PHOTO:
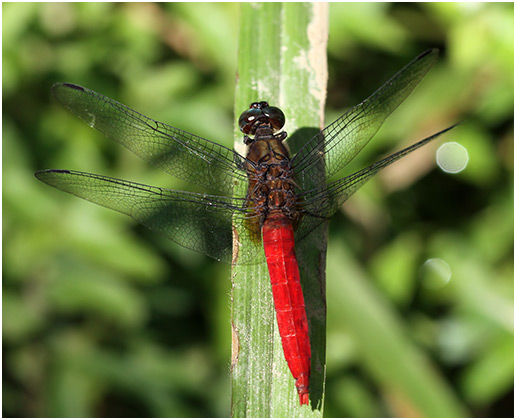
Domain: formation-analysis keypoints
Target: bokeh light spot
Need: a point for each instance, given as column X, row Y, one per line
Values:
column 452, row 157
column 435, row 273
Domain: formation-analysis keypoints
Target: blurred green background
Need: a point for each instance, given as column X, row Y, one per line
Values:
column 104, row 318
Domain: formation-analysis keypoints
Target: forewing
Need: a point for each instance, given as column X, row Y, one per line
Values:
column 176, row 152
column 341, row 141
column 199, row 222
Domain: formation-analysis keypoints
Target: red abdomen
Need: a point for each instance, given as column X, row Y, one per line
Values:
column 278, row 242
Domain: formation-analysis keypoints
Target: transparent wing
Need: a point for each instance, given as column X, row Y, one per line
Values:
column 176, row 152
column 200, row 222
column 319, row 204
column 341, row 141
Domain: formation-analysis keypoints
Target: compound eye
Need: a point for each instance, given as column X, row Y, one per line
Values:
column 276, row 117
column 261, row 113
column 248, row 119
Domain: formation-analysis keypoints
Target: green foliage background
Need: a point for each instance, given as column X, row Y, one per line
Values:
column 103, row 318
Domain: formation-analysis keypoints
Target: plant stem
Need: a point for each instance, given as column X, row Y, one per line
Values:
column 282, row 59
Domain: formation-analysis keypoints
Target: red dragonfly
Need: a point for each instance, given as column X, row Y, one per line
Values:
column 281, row 207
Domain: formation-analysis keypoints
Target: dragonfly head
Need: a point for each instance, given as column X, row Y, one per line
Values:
column 261, row 114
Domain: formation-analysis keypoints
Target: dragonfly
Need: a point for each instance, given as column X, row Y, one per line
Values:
column 282, row 205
